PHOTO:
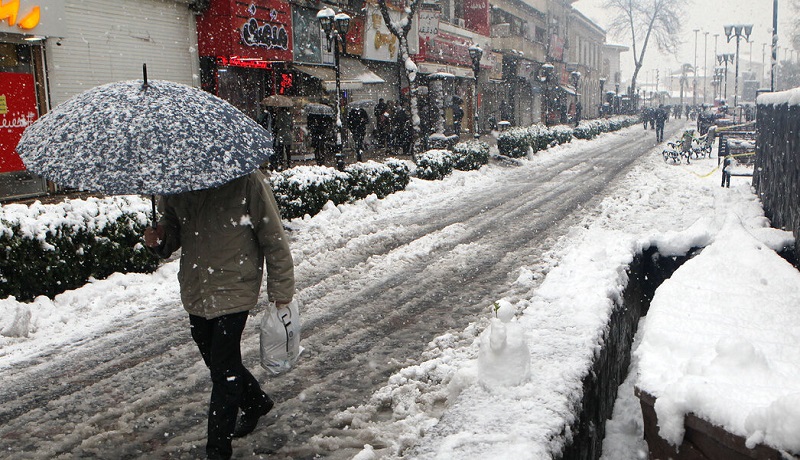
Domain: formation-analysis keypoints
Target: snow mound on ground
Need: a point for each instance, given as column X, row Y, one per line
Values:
column 716, row 341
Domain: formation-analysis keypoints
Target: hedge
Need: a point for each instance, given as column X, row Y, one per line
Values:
column 521, row 141
column 48, row 249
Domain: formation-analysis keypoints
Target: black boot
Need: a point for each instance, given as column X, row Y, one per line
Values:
column 249, row 419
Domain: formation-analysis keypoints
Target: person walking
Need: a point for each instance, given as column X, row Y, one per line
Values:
column 226, row 234
column 282, row 129
column 382, row 123
column 661, row 117
column 357, row 121
column 458, row 115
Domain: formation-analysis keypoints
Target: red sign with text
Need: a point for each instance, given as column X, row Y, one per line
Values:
column 259, row 29
column 17, row 112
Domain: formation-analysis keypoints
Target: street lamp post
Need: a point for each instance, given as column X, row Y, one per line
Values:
column 705, row 65
column 335, row 26
column 575, row 76
column 475, row 53
column 737, row 31
column 694, row 80
column 545, row 76
column 725, row 58
column 602, row 84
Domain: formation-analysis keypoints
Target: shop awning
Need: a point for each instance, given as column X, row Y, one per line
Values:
column 353, row 74
column 569, row 90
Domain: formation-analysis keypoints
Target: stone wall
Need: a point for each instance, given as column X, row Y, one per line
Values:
column 610, row 368
column 777, row 168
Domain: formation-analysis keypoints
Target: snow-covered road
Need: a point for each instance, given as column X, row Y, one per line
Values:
column 401, row 272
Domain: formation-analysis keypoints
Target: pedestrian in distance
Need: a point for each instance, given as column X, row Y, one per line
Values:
column 726, row 173
column 458, row 115
column 225, row 235
column 382, row 123
column 357, row 120
column 661, row 115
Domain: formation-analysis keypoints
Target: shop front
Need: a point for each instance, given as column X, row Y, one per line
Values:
column 245, row 50
column 445, row 67
column 25, row 26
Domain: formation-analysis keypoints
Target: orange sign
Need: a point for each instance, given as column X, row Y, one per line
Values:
column 9, row 12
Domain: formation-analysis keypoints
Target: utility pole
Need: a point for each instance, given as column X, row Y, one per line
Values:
column 694, row 81
column 705, row 64
column 774, row 45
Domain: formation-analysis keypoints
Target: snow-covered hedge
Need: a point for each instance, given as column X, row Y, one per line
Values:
column 470, row 155
column 520, row 141
column 435, row 164
column 48, row 249
column 304, row 190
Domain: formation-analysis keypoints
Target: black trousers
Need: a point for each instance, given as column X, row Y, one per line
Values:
column 234, row 387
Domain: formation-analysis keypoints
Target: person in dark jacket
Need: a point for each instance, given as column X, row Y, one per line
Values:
column 382, row 123
column 661, row 115
column 226, row 234
column 357, row 121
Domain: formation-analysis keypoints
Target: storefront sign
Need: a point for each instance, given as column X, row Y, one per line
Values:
column 236, row 61
column 446, row 48
column 379, row 43
column 17, row 112
column 476, row 16
column 556, row 47
column 308, row 39
column 32, row 17
column 270, row 35
column 255, row 29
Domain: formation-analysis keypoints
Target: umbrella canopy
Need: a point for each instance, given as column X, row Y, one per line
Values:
column 277, row 100
column 319, row 109
column 365, row 104
column 153, row 138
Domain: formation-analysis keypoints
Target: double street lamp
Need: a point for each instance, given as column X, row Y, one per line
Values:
column 546, row 76
column 335, row 26
column 475, row 53
column 575, row 77
column 725, row 58
column 602, row 84
column 737, row 31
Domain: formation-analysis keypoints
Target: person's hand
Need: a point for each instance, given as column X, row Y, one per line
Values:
column 282, row 303
column 153, row 236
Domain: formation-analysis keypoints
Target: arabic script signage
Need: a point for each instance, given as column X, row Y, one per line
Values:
column 258, row 29
column 17, row 112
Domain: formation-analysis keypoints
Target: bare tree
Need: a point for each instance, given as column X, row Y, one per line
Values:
column 401, row 29
column 644, row 21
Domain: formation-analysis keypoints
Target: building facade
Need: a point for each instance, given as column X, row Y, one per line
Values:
column 51, row 50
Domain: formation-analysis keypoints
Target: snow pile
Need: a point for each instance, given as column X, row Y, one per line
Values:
column 716, row 342
column 791, row 97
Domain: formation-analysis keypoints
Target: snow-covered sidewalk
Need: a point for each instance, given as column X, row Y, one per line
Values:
column 450, row 406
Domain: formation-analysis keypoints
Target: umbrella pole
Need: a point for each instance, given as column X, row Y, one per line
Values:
column 153, row 200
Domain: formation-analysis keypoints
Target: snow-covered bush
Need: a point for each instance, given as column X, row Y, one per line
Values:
column 435, row 164
column 305, row 189
column 370, row 177
column 517, row 142
column 470, row 155
column 48, row 249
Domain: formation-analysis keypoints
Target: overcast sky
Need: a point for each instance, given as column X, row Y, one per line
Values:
column 708, row 16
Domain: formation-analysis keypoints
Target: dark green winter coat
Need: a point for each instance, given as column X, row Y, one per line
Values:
column 225, row 235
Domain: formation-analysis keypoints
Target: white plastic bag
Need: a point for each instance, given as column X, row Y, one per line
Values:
column 280, row 338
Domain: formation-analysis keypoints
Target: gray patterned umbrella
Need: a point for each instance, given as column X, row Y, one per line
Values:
column 139, row 137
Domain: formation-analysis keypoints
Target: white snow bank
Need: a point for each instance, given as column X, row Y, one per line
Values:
column 791, row 97
column 720, row 341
